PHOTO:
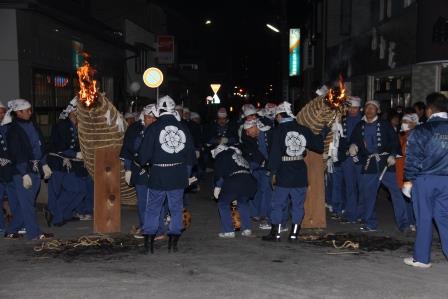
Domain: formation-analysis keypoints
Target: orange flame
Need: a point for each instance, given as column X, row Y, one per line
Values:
column 337, row 96
column 88, row 92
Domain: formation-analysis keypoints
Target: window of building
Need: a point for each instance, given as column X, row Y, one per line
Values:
column 444, row 83
column 346, row 17
column 142, row 59
column 381, row 10
column 52, row 91
column 389, row 8
column 440, row 31
column 308, row 54
column 407, row 3
column 319, row 17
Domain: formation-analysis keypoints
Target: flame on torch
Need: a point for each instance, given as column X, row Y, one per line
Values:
column 337, row 96
column 88, row 91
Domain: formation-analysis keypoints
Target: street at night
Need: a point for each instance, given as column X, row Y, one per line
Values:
column 208, row 267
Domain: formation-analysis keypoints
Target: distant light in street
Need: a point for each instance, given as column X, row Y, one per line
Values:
column 231, row 109
column 208, row 22
column 272, row 28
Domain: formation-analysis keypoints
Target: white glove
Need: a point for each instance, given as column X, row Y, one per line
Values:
column 47, row 171
column 216, row 192
column 407, row 187
column 353, row 150
column 198, row 154
column 79, row 156
column 224, row 140
column 127, row 177
column 391, row 161
column 27, row 182
column 192, row 180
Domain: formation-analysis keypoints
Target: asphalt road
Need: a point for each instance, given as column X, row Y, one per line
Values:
column 209, row 267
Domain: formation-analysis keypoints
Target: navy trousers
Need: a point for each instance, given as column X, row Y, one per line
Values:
column 354, row 207
column 85, row 207
column 73, row 192
column 280, row 200
column 370, row 184
column 142, row 195
column 337, row 190
column 260, row 206
column 26, row 202
column 54, row 191
column 154, row 206
column 430, row 197
column 225, row 199
column 10, row 190
column 328, row 189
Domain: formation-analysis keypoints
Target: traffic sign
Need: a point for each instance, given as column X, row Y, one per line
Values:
column 153, row 77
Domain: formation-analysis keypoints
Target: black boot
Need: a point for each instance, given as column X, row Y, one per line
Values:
column 172, row 242
column 149, row 244
column 294, row 233
column 274, row 235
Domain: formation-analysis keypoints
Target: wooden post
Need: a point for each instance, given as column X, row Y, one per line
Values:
column 107, row 211
column 315, row 216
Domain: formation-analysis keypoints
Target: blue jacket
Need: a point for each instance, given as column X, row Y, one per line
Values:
column 7, row 170
column 196, row 133
column 129, row 153
column 386, row 142
column 251, row 150
column 168, row 149
column 232, row 174
column 215, row 133
column 348, row 125
column 427, row 150
column 65, row 143
column 289, row 140
column 22, row 150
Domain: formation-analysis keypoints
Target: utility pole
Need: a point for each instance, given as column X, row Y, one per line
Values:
column 284, row 50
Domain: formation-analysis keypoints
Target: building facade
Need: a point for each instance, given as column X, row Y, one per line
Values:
column 394, row 51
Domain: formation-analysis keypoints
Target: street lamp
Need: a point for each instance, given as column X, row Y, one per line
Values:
column 208, row 22
column 273, row 28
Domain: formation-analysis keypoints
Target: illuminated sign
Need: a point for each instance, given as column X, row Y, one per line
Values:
column 294, row 52
column 153, row 77
column 215, row 88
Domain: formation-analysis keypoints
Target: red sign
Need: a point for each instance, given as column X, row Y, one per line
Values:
column 165, row 49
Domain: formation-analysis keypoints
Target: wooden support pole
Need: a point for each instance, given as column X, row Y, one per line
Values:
column 107, row 211
column 315, row 216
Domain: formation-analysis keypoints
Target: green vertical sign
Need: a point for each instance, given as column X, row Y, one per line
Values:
column 294, row 52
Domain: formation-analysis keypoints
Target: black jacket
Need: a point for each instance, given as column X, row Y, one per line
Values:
column 168, row 149
column 291, row 140
column 232, row 174
column 65, row 143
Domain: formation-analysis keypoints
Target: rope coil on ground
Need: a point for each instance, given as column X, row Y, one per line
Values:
column 83, row 241
column 347, row 244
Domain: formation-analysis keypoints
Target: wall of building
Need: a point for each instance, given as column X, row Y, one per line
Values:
column 425, row 80
column 48, row 44
column 9, row 61
column 429, row 11
column 136, row 34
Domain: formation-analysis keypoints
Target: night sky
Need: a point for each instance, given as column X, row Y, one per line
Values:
column 238, row 43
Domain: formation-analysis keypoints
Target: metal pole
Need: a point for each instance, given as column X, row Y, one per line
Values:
column 157, row 96
column 284, row 50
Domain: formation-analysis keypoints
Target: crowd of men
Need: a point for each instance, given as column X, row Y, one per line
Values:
column 258, row 162
column 26, row 159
